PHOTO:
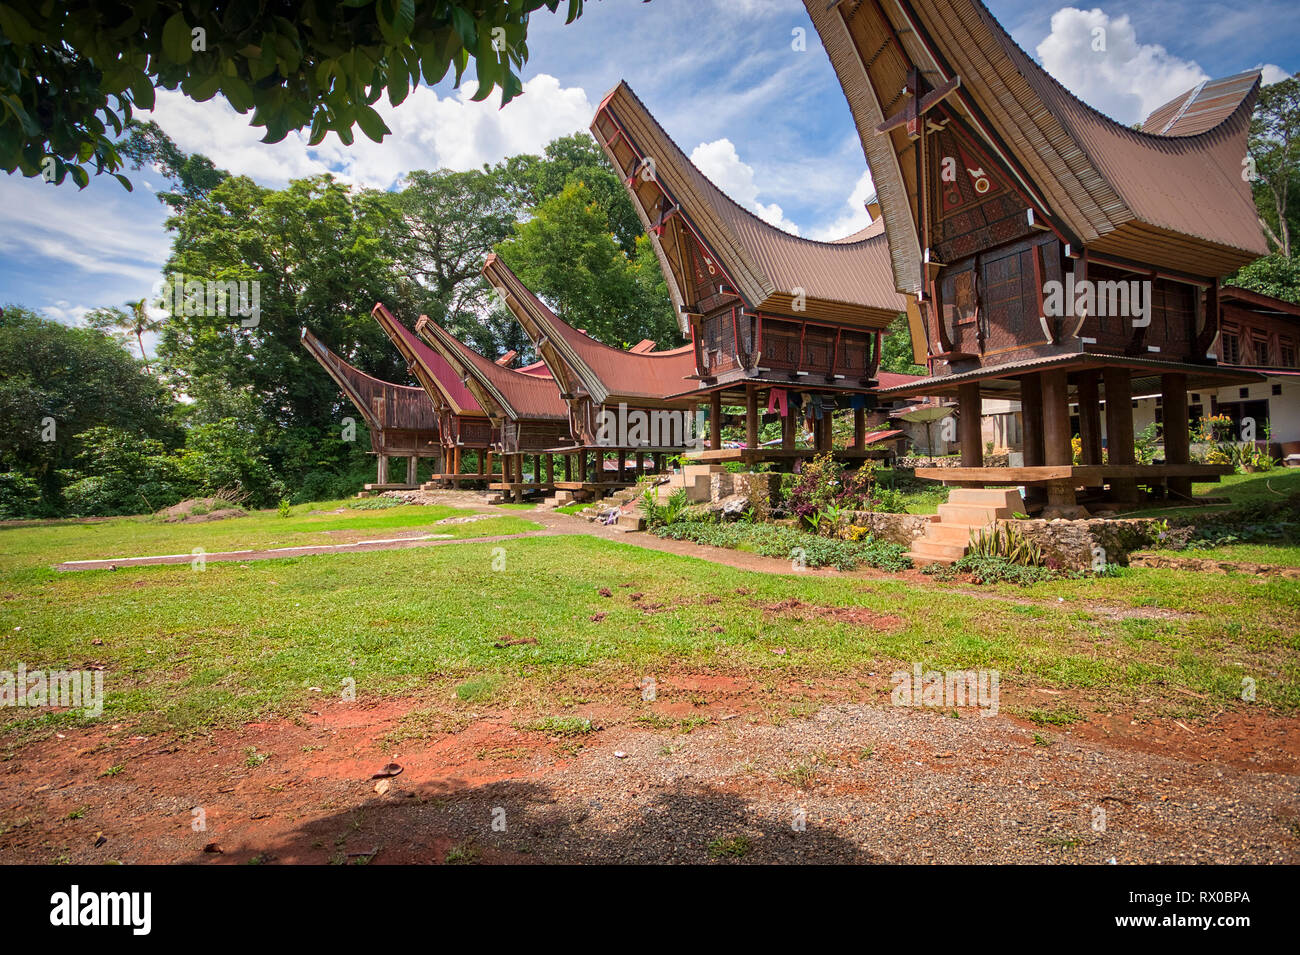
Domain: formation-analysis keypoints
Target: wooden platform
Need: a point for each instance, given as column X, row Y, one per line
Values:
column 752, row 455
column 1080, row 475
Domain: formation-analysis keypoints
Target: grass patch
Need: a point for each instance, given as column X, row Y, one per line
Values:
column 730, row 847
column 559, row 725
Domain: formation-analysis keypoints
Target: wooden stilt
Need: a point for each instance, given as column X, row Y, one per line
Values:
column 1177, row 432
column 1089, row 417
column 969, row 407
column 1119, row 429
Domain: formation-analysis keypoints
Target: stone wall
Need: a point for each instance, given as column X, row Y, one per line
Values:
column 1069, row 544
column 895, row 528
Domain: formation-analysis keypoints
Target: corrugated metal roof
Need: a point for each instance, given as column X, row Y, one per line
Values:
column 1005, row 375
column 1202, row 107
column 1101, row 180
column 610, row 373
column 436, row 368
column 765, row 261
column 520, row 395
column 404, row 406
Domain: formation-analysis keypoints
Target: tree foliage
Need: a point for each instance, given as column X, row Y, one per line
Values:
column 72, row 72
column 1275, row 149
column 57, row 382
column 896, row 350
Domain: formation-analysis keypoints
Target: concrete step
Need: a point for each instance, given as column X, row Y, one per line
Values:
column 949, row 533
column 928, row 551
column 631, row 522
column 702, row 470
column 697, row 487
column 1007, row 498
column 977, row 515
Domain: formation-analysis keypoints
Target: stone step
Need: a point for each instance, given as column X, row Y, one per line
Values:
column 927, row 551
column 996, row 497
column 945, row 533
column 702, row 470
column 631, row 522
column 697, row 488
column 978, row 515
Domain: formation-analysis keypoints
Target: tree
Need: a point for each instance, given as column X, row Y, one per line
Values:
column 57, row 382
column 135, row 323
column 1275, row 149
column 1274, row 275
column 193, row 174
column 446, row 224
column 71, row 70
column 572, row 160
column 896, row 350
column 567, row 254
column 322, row 256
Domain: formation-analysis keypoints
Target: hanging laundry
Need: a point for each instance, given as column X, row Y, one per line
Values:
column 776, row 401
column 817, row 407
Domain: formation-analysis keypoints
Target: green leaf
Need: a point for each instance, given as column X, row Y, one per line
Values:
column 176, row 39
column 79, row 176
column 126, row 183
column 15, row 26
column 371, row 124
column 142, row 92
column 464, row 24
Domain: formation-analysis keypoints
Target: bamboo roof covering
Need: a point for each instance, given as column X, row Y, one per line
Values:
column 846, row 280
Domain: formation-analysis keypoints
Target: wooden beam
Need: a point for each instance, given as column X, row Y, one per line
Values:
column 969, row 407
column 1177, row 432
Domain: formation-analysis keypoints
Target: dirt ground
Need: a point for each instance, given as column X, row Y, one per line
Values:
column 704, row 773
column 716, row 768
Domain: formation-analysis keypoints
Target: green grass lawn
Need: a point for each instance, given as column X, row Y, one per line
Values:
column 24, row 547
column 1238, row 489
column 186, row 650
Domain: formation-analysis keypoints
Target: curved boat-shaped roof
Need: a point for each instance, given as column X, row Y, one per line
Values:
column 1201, row 108
column 848, row 279
column 579, row 361
column 515, row 393
column 433, row 371
column 402, row 406
column 1176, row 201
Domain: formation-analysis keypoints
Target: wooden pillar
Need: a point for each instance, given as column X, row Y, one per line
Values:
column 412, row 468
column 1057, row 450
column 1089, row 417
column 751, row 418
column 969, row 406
column 381, row 474
column 550, row 469
column 715, row 421
column 481, row 454
column 788, row 425
column 859, row 429
column 1031, row 420
column 600, row 467
column 622, row 465
column 1177, row 434
column 455, row 468
column 1119, row 429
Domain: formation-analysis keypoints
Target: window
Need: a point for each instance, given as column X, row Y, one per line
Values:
column 1259, row 343
column 1231, row 348
column 1277, row 389
column 1243, row 392
column 1286, row 349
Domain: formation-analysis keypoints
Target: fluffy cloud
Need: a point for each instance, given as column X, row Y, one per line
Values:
column 721, row 163
column 429, row 131
column 1272, row 74
column 1099, row 59
column 853, row 217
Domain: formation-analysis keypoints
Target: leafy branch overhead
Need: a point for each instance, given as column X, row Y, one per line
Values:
column 72, row 73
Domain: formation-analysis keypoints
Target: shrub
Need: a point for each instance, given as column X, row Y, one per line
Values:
column 20, row 496
column 1007, row 542
column 773, row 540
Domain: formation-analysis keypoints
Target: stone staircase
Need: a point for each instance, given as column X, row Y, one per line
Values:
column 696, row 479
column 967, row 510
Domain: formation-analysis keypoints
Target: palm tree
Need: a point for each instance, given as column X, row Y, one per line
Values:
column 136, row 323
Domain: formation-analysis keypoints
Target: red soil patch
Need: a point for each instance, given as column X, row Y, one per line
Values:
column 856, row 616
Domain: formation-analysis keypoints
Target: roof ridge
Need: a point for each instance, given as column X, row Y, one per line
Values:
column 1138, row 134
column 763, row 223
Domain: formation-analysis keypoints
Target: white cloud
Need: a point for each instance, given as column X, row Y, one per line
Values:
column 722, row 164
column 1099, row 59
column 1272, row 74
column 853, row 217
column 429, row 132
column 65, row 312
column 101, row 230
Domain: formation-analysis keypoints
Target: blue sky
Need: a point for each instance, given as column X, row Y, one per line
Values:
column 766, row 121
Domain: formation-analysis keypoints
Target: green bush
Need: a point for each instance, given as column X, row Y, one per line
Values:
column 20, row 496
column 787, row 543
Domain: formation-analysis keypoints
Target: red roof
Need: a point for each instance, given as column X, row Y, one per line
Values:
column 519, row 395
column 607, row 373
column 428, row 365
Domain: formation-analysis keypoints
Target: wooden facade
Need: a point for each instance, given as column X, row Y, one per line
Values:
column 623, row 416
column 463, row 424
column 1049, row 254
column 529, row 418
column 401, row 419
column 775, row 321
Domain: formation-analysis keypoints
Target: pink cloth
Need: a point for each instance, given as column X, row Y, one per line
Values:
column 776, row 401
